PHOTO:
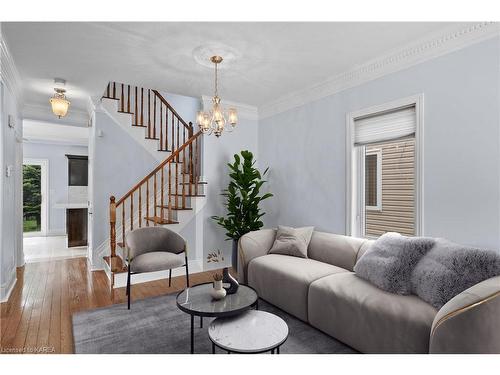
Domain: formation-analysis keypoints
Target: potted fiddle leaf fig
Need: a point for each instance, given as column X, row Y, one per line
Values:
column 243, row 199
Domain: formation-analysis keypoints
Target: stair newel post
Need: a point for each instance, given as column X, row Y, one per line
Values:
column 112, row 226
column 184, row 175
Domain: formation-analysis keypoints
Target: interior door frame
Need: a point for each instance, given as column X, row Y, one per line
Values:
column 44, row 187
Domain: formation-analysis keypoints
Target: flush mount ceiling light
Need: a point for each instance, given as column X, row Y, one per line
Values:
column 59, row 102
column 215, row 120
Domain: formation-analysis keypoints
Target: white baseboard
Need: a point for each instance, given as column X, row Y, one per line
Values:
column 6, row 289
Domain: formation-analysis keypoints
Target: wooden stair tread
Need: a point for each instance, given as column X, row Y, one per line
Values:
column 139, row 126
column 160, row 220
column 166, row 150
column 154, row 138
column 109, row 97
column 193, row 183
column 116, row 265
column 175, row 208
column 128, row 113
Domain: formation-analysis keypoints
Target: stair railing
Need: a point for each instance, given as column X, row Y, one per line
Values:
column 167, row 187
column 150, row 110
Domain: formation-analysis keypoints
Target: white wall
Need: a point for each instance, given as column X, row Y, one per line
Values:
column 58, row 178
column 10, row 224
column 305, row 148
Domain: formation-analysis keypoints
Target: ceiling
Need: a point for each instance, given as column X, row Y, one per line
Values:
column 264, row 61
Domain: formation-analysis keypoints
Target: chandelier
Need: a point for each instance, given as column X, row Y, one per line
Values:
column 59, row 102
column 217, row 119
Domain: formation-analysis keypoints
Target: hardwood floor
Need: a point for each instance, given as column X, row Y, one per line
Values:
column 37, row 317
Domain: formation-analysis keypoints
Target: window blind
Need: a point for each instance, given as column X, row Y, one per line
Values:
column 385, row 126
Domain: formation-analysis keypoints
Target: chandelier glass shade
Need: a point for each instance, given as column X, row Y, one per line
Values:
column 59, row 103
column 217, row 120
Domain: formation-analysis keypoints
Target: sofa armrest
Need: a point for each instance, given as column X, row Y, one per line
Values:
column 469, row 322
column 253, row 245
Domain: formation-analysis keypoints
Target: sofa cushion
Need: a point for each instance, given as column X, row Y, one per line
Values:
column 292, row 241
column 335, row 249
column 367, row 318
column 284, row 280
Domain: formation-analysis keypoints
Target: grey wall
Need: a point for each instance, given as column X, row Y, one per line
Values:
column 10, row 222
column 305, row 148
column 58, row 178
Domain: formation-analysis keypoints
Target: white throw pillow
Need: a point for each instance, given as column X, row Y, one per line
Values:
column 292, row 241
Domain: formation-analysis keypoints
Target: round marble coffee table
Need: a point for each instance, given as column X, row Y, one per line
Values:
column 253, row 331
column 196, row 301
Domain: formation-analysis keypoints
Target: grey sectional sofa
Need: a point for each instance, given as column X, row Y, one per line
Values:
column 324, row 291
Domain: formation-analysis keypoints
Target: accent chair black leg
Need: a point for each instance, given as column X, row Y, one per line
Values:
column 213, row 348
column 187, row 272
column 278, row 350
column 201, row 322
column 128, row 289
column 169, row 278
column 192, row 334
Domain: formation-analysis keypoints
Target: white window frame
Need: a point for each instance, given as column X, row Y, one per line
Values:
column 355, row 171
column 378, row 154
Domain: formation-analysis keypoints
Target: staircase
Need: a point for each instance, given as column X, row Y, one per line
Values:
column 168, row 190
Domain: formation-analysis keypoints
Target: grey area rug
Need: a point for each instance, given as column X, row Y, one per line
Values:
column 156, row 325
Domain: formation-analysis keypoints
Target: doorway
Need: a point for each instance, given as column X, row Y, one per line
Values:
column 35, row 197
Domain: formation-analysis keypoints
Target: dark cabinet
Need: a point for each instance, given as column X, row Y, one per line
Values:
column 76, row 226
column 78, row 174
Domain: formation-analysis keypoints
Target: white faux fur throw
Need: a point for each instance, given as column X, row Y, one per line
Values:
column 436, row 270
column 390, row 260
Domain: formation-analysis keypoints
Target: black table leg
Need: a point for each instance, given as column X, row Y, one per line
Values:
column 213, row 348
column 192, row 334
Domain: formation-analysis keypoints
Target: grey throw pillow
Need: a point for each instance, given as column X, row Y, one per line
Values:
column 390, row 260
column 449, row 268
column 292, row 241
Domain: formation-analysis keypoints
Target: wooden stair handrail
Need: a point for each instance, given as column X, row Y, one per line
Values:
column 164, row 101
column 159, row 167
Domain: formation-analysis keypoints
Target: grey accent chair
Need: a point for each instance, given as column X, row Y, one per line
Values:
column 152, row 249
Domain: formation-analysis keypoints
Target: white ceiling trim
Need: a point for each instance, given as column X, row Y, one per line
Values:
column 9, row 73
column 245, row 111
column 413, row 54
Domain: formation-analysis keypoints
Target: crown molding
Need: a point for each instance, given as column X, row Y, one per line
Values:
column 245, row 111
column 413, row 54
column 9, row 73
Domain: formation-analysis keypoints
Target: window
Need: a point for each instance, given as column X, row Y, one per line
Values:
column 383, row 178
column 77, row 170
column 373, row 179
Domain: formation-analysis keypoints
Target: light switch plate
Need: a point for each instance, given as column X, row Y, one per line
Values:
column 11, row 122
column 8, row 170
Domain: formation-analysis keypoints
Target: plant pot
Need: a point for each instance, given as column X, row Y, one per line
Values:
column 234, row 256
column 218, row 292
